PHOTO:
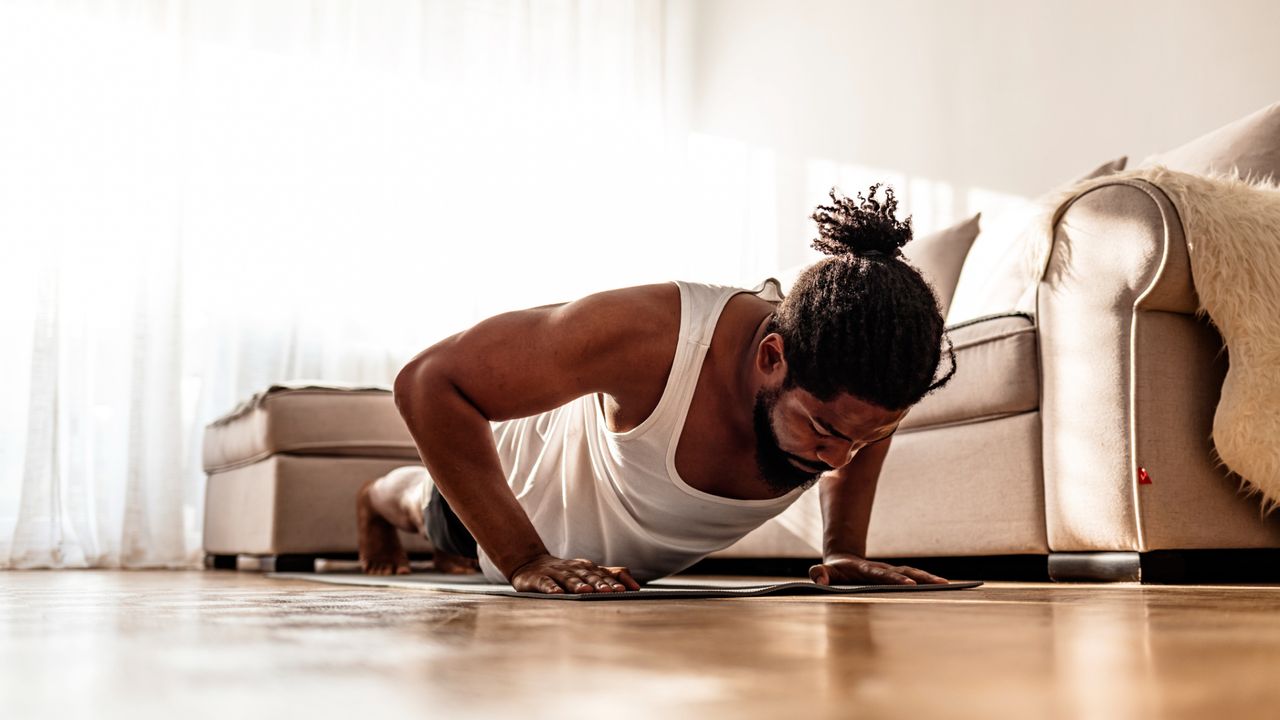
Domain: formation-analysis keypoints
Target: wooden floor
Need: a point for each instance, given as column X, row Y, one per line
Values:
column 231, row 645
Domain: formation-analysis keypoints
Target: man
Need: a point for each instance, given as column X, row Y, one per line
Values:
column 596, row 444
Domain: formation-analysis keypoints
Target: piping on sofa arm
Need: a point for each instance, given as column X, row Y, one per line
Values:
column 1129, row 374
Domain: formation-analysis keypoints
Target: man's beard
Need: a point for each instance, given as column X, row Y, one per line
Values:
column 774, row 462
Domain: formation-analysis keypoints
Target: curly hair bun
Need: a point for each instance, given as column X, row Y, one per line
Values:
column 863, row 226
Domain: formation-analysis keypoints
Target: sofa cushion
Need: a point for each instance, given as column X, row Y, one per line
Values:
column 997, row 374
column 1250, row 145
column 958, row 490
column 999, row 274
column 309, row 419
column 940, row 255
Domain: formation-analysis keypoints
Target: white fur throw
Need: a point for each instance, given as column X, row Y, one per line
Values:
column 1232, row 228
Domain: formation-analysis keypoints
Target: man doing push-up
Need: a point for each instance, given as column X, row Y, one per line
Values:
column 621, row 437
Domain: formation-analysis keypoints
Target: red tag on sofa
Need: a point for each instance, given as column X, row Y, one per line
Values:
column 1143, row 477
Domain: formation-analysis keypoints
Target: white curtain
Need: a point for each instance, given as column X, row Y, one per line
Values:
column 198, row 199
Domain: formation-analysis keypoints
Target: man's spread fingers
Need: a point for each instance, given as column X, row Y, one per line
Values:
column 596, row 580
column 888, row 575
column 922, row 576
column 624, row 576
column 576, row 584
column 570, row 578
column 896, row 576
column 610, row 578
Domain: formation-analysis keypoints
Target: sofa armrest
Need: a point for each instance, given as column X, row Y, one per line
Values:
column 1121, row 235
column 1117, row 251
column 1130, row 380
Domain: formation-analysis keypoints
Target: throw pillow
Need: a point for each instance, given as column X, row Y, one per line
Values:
column 940, row 255
column 1249, row 146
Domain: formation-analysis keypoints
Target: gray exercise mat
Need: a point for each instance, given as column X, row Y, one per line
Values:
column 659, row 590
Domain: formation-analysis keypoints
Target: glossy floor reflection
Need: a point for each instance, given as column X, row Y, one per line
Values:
column 227, row 645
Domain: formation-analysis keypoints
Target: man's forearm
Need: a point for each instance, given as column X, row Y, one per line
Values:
column 847, row 495
column 455, row 441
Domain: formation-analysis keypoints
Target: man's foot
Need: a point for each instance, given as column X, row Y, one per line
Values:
column 454, row 564
column 380, row 549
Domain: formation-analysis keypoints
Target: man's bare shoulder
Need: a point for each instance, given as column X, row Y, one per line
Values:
column 638, row 329
column 636, row 309
column 637, row 324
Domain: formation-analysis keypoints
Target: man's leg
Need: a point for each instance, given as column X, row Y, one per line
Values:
column 384, row 505
column 393, row 502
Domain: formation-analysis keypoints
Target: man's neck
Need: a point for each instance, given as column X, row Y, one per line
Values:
column 745, row 385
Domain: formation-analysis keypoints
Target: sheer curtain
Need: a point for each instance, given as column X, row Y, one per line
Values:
column 198, row 199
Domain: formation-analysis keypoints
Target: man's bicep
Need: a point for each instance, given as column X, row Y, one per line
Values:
column 525, row 362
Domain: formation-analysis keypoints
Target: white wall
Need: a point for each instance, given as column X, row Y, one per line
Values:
column 962, row 102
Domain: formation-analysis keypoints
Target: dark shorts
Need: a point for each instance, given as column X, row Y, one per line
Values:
column 445, row 530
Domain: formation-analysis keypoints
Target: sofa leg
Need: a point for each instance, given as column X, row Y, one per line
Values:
column 219, row 562
column 275, row 563
column 1095, row 566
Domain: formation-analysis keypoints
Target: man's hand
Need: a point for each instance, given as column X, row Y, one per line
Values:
column 853, row 570
column 551, row 575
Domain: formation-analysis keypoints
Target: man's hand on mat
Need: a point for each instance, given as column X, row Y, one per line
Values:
column 550, row 574
column 853, row 570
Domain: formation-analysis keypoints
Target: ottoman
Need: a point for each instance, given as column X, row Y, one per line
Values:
column 283, row 470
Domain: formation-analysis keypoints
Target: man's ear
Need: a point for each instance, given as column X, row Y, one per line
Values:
column 771, row 358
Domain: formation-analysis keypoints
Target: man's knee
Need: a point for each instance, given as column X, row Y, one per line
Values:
column 398, row 497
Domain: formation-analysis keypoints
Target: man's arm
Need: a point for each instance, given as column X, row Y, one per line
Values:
column 847, row 494
column 516, row 365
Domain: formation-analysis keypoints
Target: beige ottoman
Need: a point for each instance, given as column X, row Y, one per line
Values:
column 284, row 468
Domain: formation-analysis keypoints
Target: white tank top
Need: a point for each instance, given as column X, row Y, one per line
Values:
column 616, row 498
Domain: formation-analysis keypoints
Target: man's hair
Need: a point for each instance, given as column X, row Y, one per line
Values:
column 863, row 322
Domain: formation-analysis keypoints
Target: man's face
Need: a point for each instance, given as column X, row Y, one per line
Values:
column 798, row 437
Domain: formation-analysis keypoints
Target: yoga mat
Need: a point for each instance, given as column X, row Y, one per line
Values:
column 659, row 590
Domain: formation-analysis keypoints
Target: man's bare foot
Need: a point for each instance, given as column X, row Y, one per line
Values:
column 380, row 549
column 454, row 564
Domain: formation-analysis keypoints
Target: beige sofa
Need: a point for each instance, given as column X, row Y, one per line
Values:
column 1080, row 432
column 1078, row 428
